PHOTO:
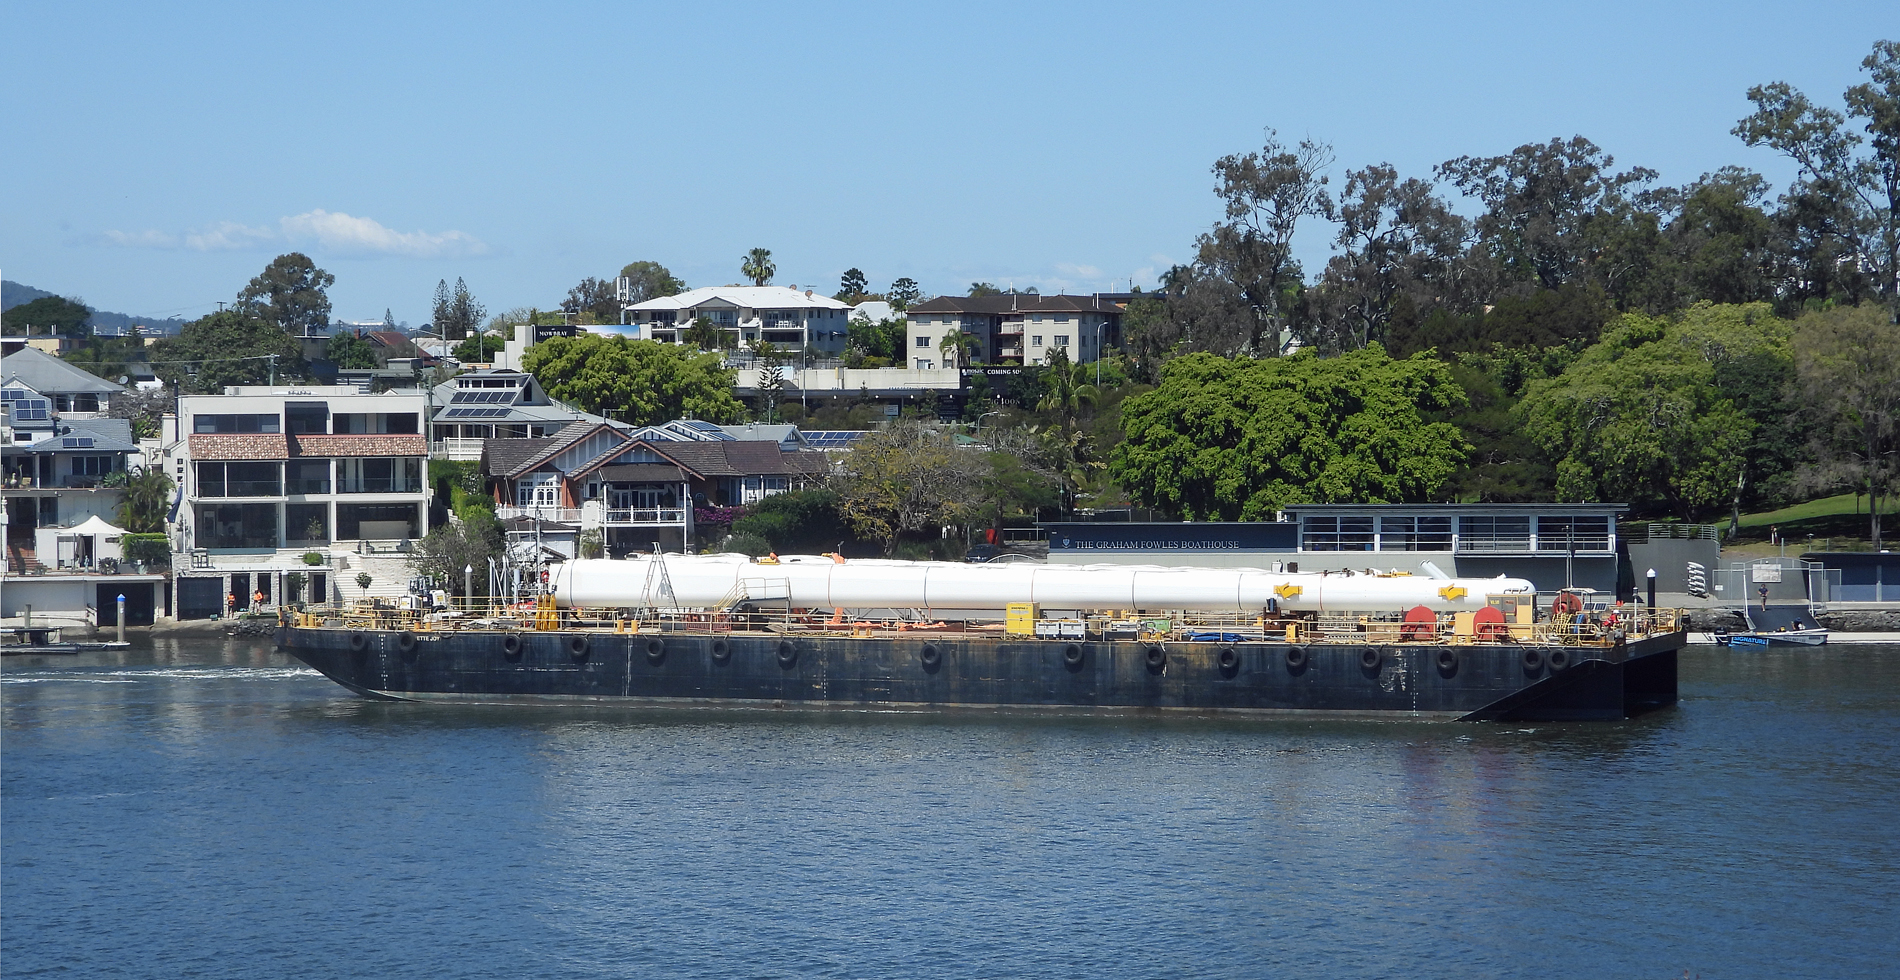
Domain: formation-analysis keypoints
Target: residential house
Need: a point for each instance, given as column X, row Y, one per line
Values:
column 60, row 459
column 1021, row 327
column 639, row 491
column 59, row 456
column 476, row 406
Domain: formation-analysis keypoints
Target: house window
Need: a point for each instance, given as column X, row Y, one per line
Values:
column 1035, row 340
column 1581, row 533
column 923, row 341
column 1062, row 340
column 222, row 424
column 1062, row 318
column 923, row 364
column 541, row 490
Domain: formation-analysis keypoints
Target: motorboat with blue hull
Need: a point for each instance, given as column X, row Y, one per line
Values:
column 728, row 630
column 1776, row 626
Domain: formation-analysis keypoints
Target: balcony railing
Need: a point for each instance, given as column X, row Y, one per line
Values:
column 308, row 486
column 458, row 449
column 645, row 515
column 385, row 485
column 559, row 515
column 242, row 488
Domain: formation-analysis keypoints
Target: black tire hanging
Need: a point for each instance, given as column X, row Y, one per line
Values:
column 787, row 654
column 656, row 650
column 511, row 646
column 721, row 651
column 1448, row 661
column 1533, row 661
column 930, row 656
column 1558, row 659
column 1296, row 658
column 1156, row 656
column 359, row 642
column 406, row 641
column 577, row 647
column 1072, row 656
column 1370, row 659
column 1229, row 658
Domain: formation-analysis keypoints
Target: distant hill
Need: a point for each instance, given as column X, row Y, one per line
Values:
column 13, row 294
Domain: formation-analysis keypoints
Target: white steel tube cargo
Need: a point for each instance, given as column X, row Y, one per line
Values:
column 813, row 582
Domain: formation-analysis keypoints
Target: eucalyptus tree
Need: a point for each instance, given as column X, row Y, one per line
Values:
column 1847, row 201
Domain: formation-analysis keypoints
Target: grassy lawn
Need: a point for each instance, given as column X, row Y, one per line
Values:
column 1841, row 505
column 1833, row 522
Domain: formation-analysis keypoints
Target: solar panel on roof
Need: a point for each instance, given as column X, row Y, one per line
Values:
column 84, row 442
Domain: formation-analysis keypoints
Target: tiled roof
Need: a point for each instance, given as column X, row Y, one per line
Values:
column 502, row 457
column 251, row 446
column 358, row 445
column 715, row 459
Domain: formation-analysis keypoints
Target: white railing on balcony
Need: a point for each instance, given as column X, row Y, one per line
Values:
column 645, row 515
column 457, row 449
column 559, row 515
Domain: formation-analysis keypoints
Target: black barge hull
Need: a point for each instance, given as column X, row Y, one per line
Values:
column 1501, row 682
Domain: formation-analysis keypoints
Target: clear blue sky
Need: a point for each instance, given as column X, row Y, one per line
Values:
column 159, row 155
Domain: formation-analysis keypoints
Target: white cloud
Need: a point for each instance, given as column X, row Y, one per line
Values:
column 227, row 236
column 322, row 231
column 335, row 231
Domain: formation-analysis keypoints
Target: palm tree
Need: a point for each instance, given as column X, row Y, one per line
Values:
column 703, row 334
column 956, row 347
column 147, row 498
column 757, row 266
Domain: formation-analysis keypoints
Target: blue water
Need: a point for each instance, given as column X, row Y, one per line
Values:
column 209, row 809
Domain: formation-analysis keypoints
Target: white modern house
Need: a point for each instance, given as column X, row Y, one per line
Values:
column 791, row 319
column 270, row 474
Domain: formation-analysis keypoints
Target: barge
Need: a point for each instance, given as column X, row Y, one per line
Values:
column 822, row 633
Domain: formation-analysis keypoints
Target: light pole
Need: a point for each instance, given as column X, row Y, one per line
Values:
column 468, row 587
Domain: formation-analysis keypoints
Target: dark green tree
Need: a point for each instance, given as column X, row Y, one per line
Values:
column 649, row 280
column 1853, row 198
column 636, row 381
column 478, row 349
column 1540, row 201
column 594, row 299
column 49, row 315
column 471, row 540
column 290, row 295
column 852, row 286
column 1240, row 292
column 455, row 313
column 1403, row 252
column 348, row 351
column 1238, row 439
column 799, row 522
column 227, row 348
column 1639, row 417
column 904, row 293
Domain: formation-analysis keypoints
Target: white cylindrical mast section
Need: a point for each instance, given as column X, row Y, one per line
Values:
column 808, row 582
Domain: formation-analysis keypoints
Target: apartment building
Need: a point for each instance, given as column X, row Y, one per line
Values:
column 1018, row 327
column 787, row 318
